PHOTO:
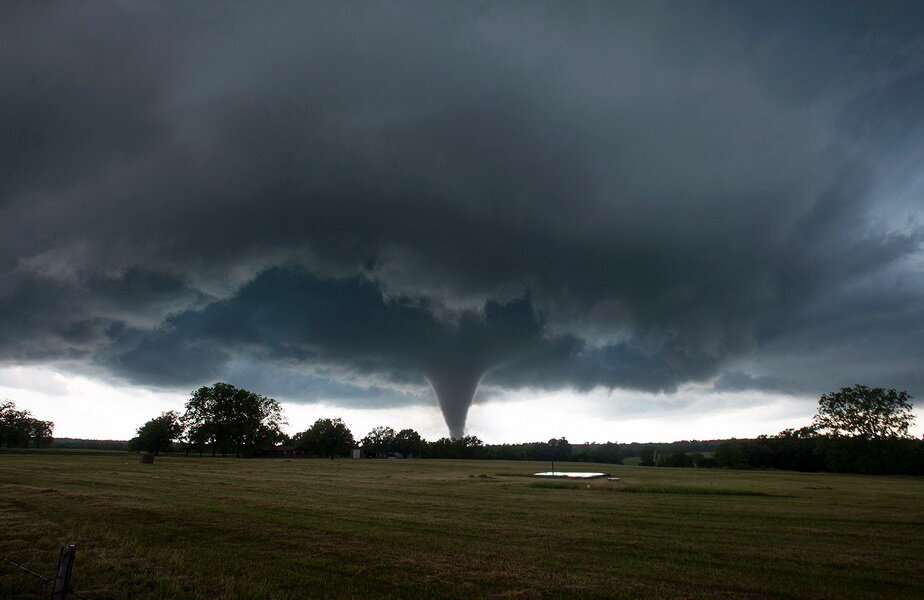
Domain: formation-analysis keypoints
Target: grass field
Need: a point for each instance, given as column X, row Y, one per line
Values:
column 225, row 528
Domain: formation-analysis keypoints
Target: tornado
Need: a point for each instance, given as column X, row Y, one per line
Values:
column 454, row 389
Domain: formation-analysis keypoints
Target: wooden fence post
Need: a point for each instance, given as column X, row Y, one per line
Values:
column 63, row 576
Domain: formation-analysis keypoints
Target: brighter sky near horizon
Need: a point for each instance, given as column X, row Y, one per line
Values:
column 83, row 407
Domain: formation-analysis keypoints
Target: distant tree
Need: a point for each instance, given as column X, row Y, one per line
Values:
column 229, row 418
column 468, row 446
column 674, row 459
column 647, row 455
column 158, row 434
column 12, row 424
column 41, row 432
column 707, row 463
column 559, row 450
column 78, row 444
column 327, row 437
column 868, row 413
column 379, row 442
column 729, row 454
column 200, row 423
column 18, row 427
column 607, row 452
column 801, row 433
column 409, row 443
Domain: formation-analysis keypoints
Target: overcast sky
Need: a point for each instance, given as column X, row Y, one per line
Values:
column 633, row 221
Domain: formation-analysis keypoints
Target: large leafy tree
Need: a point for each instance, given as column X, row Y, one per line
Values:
column 409, row 443
column 232, row 419
column 20, row 428
column 379, row 442
column 869, row 413
column 158, row 434
column 41, row 432
column 327, row 437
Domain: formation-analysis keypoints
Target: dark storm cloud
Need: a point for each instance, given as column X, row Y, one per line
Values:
column 287, row 316
column 619, row 194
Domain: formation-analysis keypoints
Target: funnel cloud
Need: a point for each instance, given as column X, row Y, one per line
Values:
column 454, row 389
column 374, row 206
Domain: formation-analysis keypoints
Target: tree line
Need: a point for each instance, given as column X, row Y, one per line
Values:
column 858, row 429
column 222, row 419
column 19, row 429
column 855, row 430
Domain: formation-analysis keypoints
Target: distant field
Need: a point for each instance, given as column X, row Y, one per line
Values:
column 274, row 529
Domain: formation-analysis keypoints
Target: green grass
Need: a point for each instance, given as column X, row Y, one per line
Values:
column 693, row 489
column 280, row 529
column 557, row 484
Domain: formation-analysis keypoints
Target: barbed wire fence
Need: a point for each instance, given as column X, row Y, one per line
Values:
column 61, row 584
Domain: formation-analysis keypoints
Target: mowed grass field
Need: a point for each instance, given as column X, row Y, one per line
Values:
column 308, row 528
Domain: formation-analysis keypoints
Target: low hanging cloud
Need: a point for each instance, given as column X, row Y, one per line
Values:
column 349, row 329
column 345, row 327
column 362, row 201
